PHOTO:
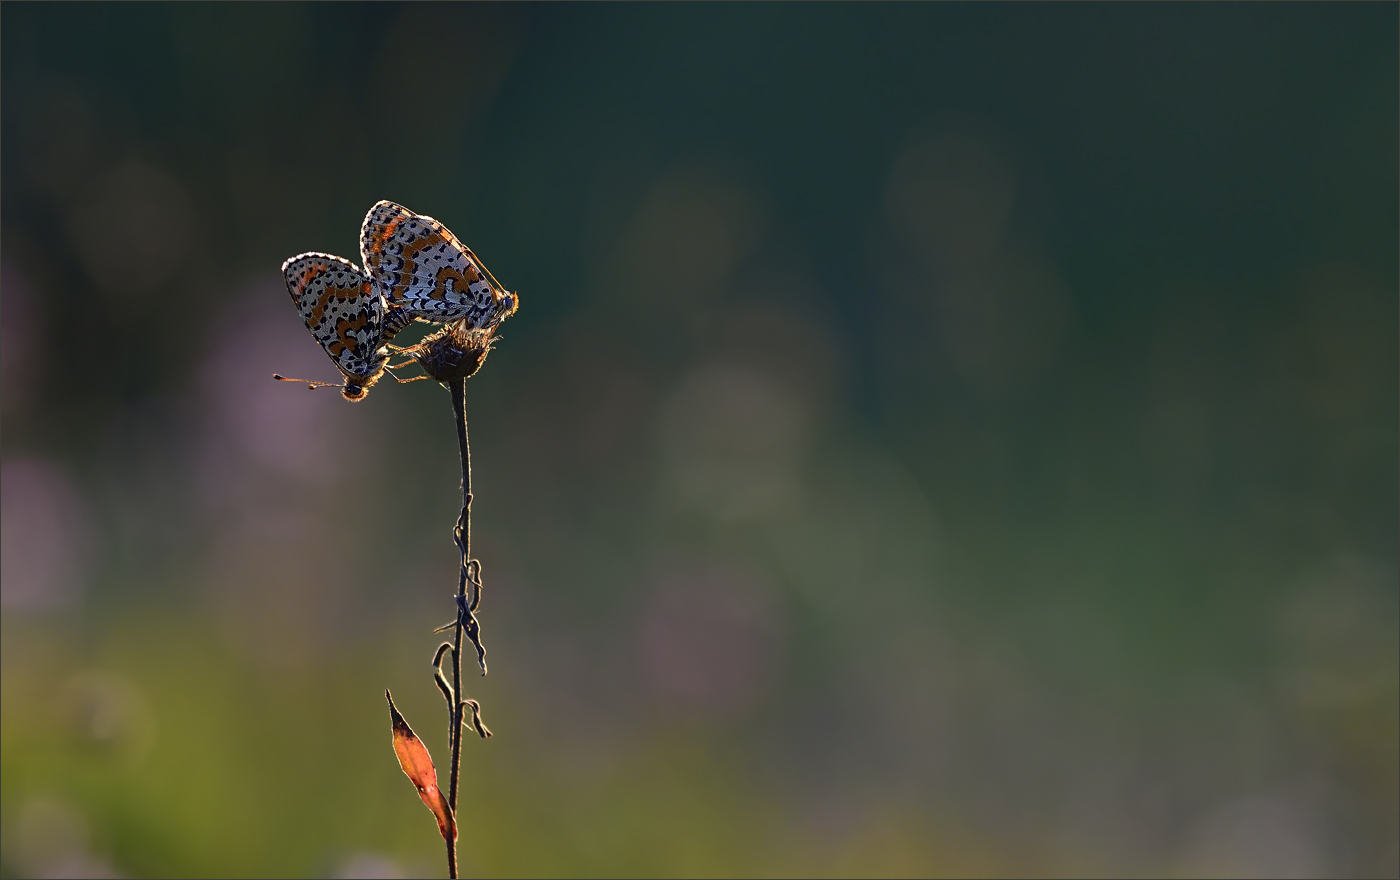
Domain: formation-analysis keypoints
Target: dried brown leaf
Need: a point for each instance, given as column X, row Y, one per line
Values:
column 418, row 766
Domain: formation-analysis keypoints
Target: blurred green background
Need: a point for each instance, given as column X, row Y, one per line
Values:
column 935, row 440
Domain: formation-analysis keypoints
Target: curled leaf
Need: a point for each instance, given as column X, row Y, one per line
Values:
column 418, row 766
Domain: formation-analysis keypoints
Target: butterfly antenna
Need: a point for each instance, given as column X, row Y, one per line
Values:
column 499, row 285
column 311, row 386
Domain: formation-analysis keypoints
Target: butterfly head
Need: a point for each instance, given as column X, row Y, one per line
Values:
column 354, row 389
column 357, row 384
column 354, row 392
column 510, row 301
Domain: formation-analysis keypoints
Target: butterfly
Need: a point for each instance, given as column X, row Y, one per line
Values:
column 414, row 269
column 418, row 265
column 347, row 315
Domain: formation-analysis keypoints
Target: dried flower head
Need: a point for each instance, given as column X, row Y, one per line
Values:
column 453, row 353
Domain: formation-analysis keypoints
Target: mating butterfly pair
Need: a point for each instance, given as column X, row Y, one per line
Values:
column 415, row 269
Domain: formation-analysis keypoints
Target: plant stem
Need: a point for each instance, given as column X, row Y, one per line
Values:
column 463, row 536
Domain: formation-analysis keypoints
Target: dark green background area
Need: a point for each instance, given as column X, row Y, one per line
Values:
column 936, row 438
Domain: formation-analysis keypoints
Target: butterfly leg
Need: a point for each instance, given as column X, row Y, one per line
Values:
column 404, row 381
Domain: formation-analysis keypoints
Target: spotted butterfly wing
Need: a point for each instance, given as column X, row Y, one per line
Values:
column 421, row 267
column 345, row 314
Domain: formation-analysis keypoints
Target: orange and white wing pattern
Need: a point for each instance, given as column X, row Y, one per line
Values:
column 343, row 311
column 420, row 266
